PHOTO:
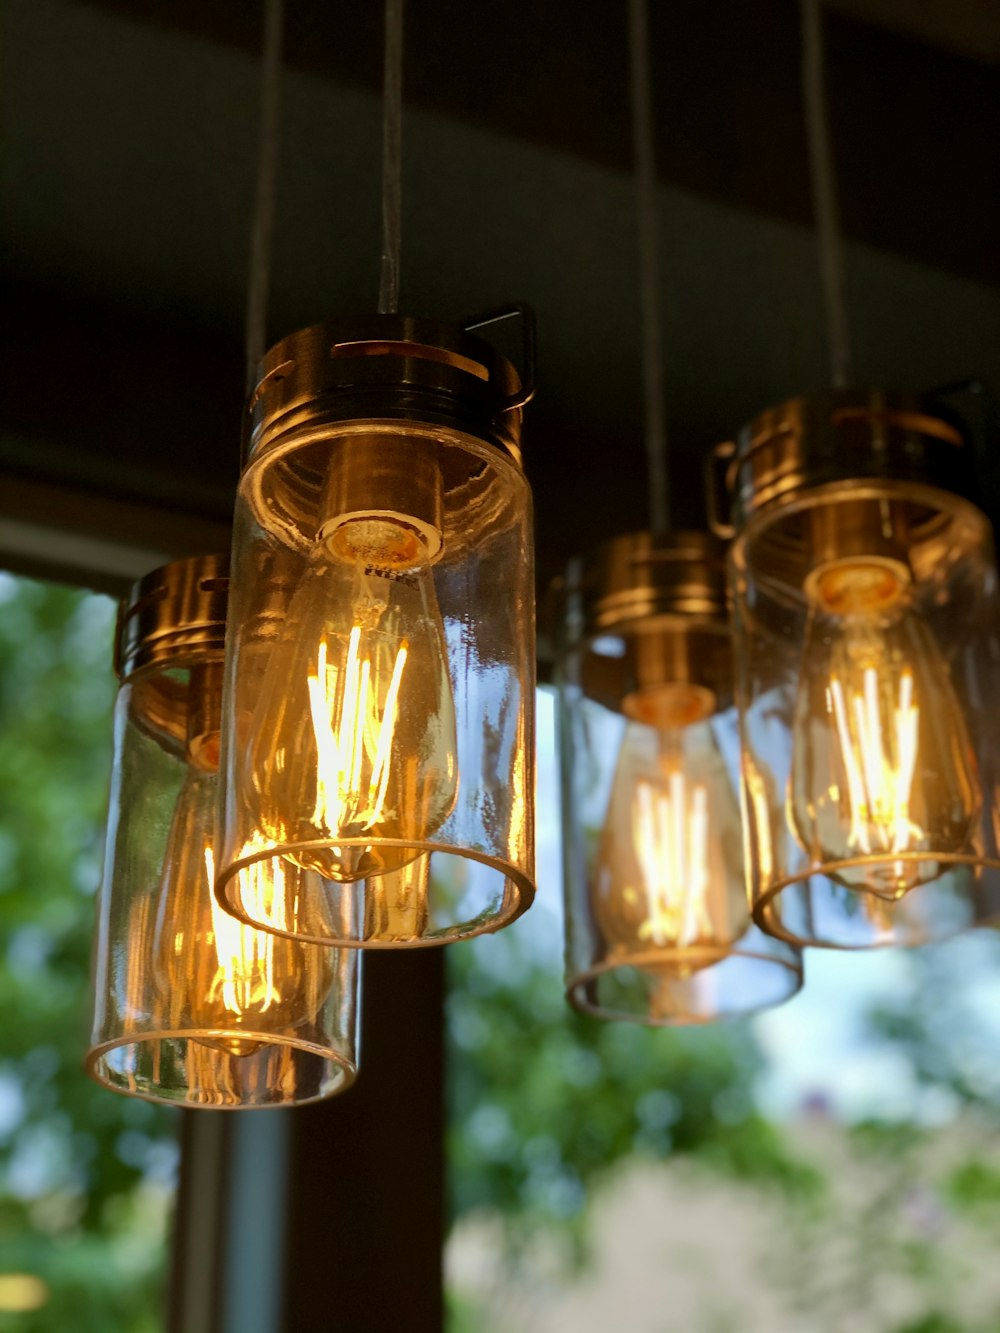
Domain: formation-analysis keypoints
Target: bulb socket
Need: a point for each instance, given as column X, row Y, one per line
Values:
column 860, row 560
column 667, row 671
column 669, row 705
column 384, row 501
column 204, row 715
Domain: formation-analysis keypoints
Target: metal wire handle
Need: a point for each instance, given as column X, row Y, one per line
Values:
column 526, row 370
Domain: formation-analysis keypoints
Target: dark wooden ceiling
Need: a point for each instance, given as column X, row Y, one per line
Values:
column 130, row 130
column 915, row 126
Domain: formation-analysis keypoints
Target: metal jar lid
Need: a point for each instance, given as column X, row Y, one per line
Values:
column 174, row 613
column 872, row 437
column 642, row 576
column 392, row 367
column 648, row 609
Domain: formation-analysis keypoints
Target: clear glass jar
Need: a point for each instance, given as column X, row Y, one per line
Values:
column 865, row 605
column 379, row 707
column 658, row 924
column 191, row 1006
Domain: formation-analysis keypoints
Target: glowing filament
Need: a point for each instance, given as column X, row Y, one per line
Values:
column 244, row 978
column 879, row 769
column 348, row 729
column 670, row 836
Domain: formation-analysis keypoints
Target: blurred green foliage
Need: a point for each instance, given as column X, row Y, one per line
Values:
column 975, row 1185
column 543, row 1102
column 84, row 1174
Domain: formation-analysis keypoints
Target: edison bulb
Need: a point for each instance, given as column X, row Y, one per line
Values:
column 882, row 768
column 396, row 904
column 668, row 873
column 213, row 973
column 353, row 736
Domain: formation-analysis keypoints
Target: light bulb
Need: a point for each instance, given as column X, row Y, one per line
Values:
column 396, row 906
column 664, row 882
column 212, row 973
column 882, row 769
column 353, row 735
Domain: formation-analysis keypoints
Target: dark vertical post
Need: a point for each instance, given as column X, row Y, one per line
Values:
column 365, row 1210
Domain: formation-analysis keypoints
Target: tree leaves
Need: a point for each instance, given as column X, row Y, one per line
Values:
column 75, row 1188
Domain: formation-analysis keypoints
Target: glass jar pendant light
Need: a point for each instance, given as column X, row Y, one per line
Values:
column 865, row 602
column 378, row 713
column 658, row 921
column 192, row 1007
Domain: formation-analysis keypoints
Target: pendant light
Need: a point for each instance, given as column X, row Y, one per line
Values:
column 657, row 917
column 192, row 1007
column 865, row 601
column 379, row 698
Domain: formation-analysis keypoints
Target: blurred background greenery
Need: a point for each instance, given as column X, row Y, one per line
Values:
column 85, row 1175
column 834, row 1165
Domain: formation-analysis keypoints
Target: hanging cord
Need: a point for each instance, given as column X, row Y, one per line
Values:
column 824, row 193
column 644, row 142
column 262, row 228
column 392, row 158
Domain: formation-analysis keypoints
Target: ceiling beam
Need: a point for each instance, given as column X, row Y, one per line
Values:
column 914, row 126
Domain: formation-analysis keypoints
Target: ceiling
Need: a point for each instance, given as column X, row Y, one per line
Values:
column 130, row 128
column 970, row 27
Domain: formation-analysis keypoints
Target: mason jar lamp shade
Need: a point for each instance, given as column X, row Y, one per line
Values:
column 865, row 603
column 378, row 715
column 192, row 1007
column 658, row 921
